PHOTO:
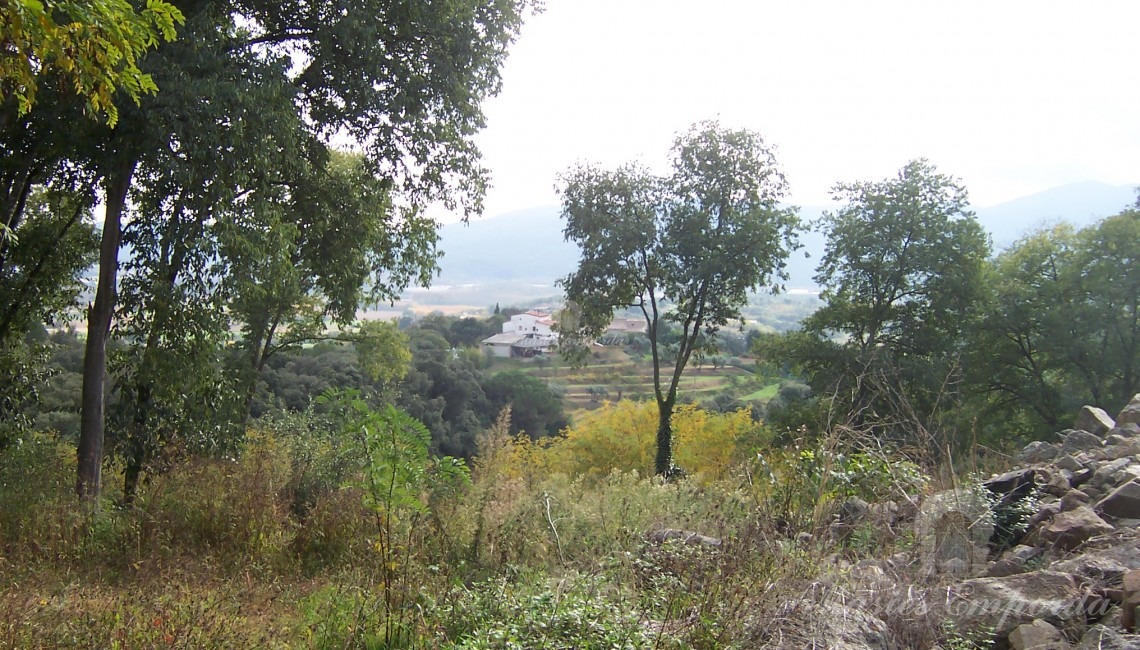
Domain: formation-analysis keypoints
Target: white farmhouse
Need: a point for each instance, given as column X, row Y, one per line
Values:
column 525, row 335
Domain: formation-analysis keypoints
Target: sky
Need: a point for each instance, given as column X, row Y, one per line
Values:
column 1011, row 97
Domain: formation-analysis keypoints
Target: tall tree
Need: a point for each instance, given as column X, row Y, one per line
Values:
column 1062, row 325
column 901, row 275
column 404, row 81
column 684, row 248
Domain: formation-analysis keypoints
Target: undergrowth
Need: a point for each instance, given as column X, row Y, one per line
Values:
column 340, row 531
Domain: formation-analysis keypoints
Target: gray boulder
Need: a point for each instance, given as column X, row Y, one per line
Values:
column 1102, row 637
column 1077, row 440
column 1123, row 502
column 1072, row 527
column 1131, row 413
column 1038, row 452
column 1037, row 635
column 953, row 529
column 1094, row 420
column 1003, row 604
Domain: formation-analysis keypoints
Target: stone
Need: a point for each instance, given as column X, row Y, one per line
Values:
column 1044, row 513
column 1038, row 452
column 1131, row 413
column 1103, row 567
column 1094, row 420
column 1067, row 462
column 1130, row 601
column 1080, row 477
column 853, row 511
column 1005, row 567
column 1003, row 604
column 1024, row 552
column 1073, row 499
column 1101, row 637
column 1129, row 430
column 1103, row 475
column 1114, row 439
column 954, row 525
column 1037, row 635
column 1076, row 440
column 1070, row 528
column 1130, row 473
column 1058, row 484
column 1123, row 502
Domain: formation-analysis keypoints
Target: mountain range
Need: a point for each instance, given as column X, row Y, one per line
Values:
column 527, row 246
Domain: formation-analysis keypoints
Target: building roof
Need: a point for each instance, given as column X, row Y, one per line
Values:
column 517, row 340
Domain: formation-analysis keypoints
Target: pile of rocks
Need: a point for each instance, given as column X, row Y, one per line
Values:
column 1071, row 579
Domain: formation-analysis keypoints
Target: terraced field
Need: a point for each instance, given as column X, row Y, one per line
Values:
column 612, row 375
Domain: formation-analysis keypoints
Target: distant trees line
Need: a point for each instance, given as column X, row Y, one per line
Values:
column 443, row 384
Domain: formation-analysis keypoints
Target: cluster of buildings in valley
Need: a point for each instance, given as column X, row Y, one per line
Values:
column 532, row 333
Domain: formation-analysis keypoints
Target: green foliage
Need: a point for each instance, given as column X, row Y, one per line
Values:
column 701, row 239
column 577, row 612
column 91, row 47
column 901, row 276
column 536, row 409
column 1060, row 326
column 801, row 483
column 397, row 474
column 383, row 352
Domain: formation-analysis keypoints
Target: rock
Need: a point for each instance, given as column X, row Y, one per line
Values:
column 1131, row 413
column 1103, row 567
column 1038, row 452
column 1015, row 484
column 1131, row 600
column 1129, row 430
column 1100, row 637
column 1003, row 604
column 1067, row 462
column 1094, row 420
column 1073, row 499
column 1044, row 513
column 688, row 537
column 1037, row 635
column 1114, row 439
column 1103, row 475
column 1130, row 473
column 853, row 511
column 832, row 624
column 1069, row 529
column 1058, row 484
column 954, row 525
column 1076, row 440
column 1024, row 552
column 1005, row 567
column 1080, row 477
column 1122, row 503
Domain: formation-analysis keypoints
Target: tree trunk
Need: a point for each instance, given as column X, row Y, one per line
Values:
column 664, row 463
column 99, row 315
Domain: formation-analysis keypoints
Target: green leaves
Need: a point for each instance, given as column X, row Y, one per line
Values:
column 92, row 46
column 398, row 470
column 685, row 248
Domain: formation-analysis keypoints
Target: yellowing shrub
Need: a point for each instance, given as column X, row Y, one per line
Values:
column 622, row 436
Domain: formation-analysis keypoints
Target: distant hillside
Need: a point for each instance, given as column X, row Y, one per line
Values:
column 527, row 246
column 1078, row 203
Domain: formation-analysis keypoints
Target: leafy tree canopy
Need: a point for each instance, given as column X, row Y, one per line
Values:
column 684, row 248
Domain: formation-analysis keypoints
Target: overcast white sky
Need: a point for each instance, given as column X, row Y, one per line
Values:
column 1012, row 97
